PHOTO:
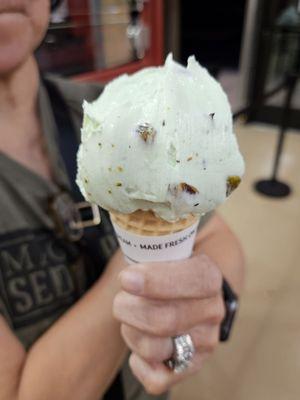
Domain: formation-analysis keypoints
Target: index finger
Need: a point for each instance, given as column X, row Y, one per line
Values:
column 196, row 277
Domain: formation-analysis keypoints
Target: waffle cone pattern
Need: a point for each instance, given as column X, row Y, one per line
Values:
column 146, row 223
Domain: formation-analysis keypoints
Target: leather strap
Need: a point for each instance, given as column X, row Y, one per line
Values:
column 68, row 146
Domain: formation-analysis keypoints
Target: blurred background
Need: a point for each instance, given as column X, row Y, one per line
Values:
column 253, row 48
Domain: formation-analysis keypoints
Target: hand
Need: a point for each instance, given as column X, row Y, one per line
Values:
column 162, row 300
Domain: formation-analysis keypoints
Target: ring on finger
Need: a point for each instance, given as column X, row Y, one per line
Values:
column 183, row 353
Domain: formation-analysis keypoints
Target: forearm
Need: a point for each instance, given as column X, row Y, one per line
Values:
column 221, row 245
column 79, row 355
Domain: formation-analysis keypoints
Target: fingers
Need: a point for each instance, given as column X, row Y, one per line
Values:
column 205, row 337
column 162, row 300
column 149, row 347
column 155, row 349
column 162, row 318
column 196, row 277
column 156, row 377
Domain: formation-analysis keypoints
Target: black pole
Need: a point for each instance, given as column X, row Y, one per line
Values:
column 292, row 80
column 255, row 105
column 273, row 187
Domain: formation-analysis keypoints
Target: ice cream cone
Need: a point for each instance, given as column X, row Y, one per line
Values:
column 146, row 145
column 144, row 237
column 146, row 223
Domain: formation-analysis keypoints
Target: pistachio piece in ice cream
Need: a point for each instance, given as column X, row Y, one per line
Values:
column 232, row 183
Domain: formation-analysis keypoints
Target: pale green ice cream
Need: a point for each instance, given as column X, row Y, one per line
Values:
column 162, row 140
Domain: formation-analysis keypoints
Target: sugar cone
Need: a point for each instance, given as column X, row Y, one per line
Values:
column 146, row 223
column 143, row 237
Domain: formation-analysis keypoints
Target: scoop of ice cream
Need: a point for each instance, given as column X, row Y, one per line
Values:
column 161, row 140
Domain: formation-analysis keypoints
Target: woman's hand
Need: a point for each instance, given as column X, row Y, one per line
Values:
column 162, row 300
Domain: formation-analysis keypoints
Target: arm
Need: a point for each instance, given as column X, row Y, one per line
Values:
column 217, row 241
column 76, row 358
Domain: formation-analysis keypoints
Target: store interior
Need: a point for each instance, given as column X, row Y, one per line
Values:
column 253, row 48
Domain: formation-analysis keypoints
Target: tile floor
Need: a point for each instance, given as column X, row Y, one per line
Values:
column 262, row 361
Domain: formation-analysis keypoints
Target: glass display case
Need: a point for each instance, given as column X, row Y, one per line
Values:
column 98, row 39
column 271, row 53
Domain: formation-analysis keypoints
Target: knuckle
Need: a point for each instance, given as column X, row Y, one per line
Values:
column 162, row 320
column 147, row 277
column 210, row 276
column 124, row 332
column 218, row 311
column 208, row 342
column 212, row 344
column 130, row 336
column 155, row 350
column 154, row 387
column 117, row 303
column 215, row 279
column 146, row 350
column 222, row 310
column 197, row 364
column 171, row 320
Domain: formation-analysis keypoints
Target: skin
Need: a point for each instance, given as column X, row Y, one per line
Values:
column 162, row 308
column 69, row 361
column 22, row 27
column 153, row 307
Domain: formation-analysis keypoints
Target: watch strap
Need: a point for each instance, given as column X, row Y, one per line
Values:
column 231, row 306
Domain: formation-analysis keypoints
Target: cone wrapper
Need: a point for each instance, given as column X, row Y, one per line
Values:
column 138, row 248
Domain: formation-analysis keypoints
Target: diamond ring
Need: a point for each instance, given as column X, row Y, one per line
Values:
column 184, row 351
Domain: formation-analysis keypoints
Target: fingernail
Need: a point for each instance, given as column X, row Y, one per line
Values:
column 132, row 281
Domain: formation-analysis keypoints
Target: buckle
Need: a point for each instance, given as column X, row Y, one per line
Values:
column 71, row 218
column 94, row 220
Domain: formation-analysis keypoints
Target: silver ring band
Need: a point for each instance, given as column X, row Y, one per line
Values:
column 184, row 351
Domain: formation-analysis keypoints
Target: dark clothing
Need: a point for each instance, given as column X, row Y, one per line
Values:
column 42, row 275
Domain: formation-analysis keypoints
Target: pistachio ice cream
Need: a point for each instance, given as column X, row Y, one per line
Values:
column 161, row 140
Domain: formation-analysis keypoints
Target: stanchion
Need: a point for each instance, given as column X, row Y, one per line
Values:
column 273, row 187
